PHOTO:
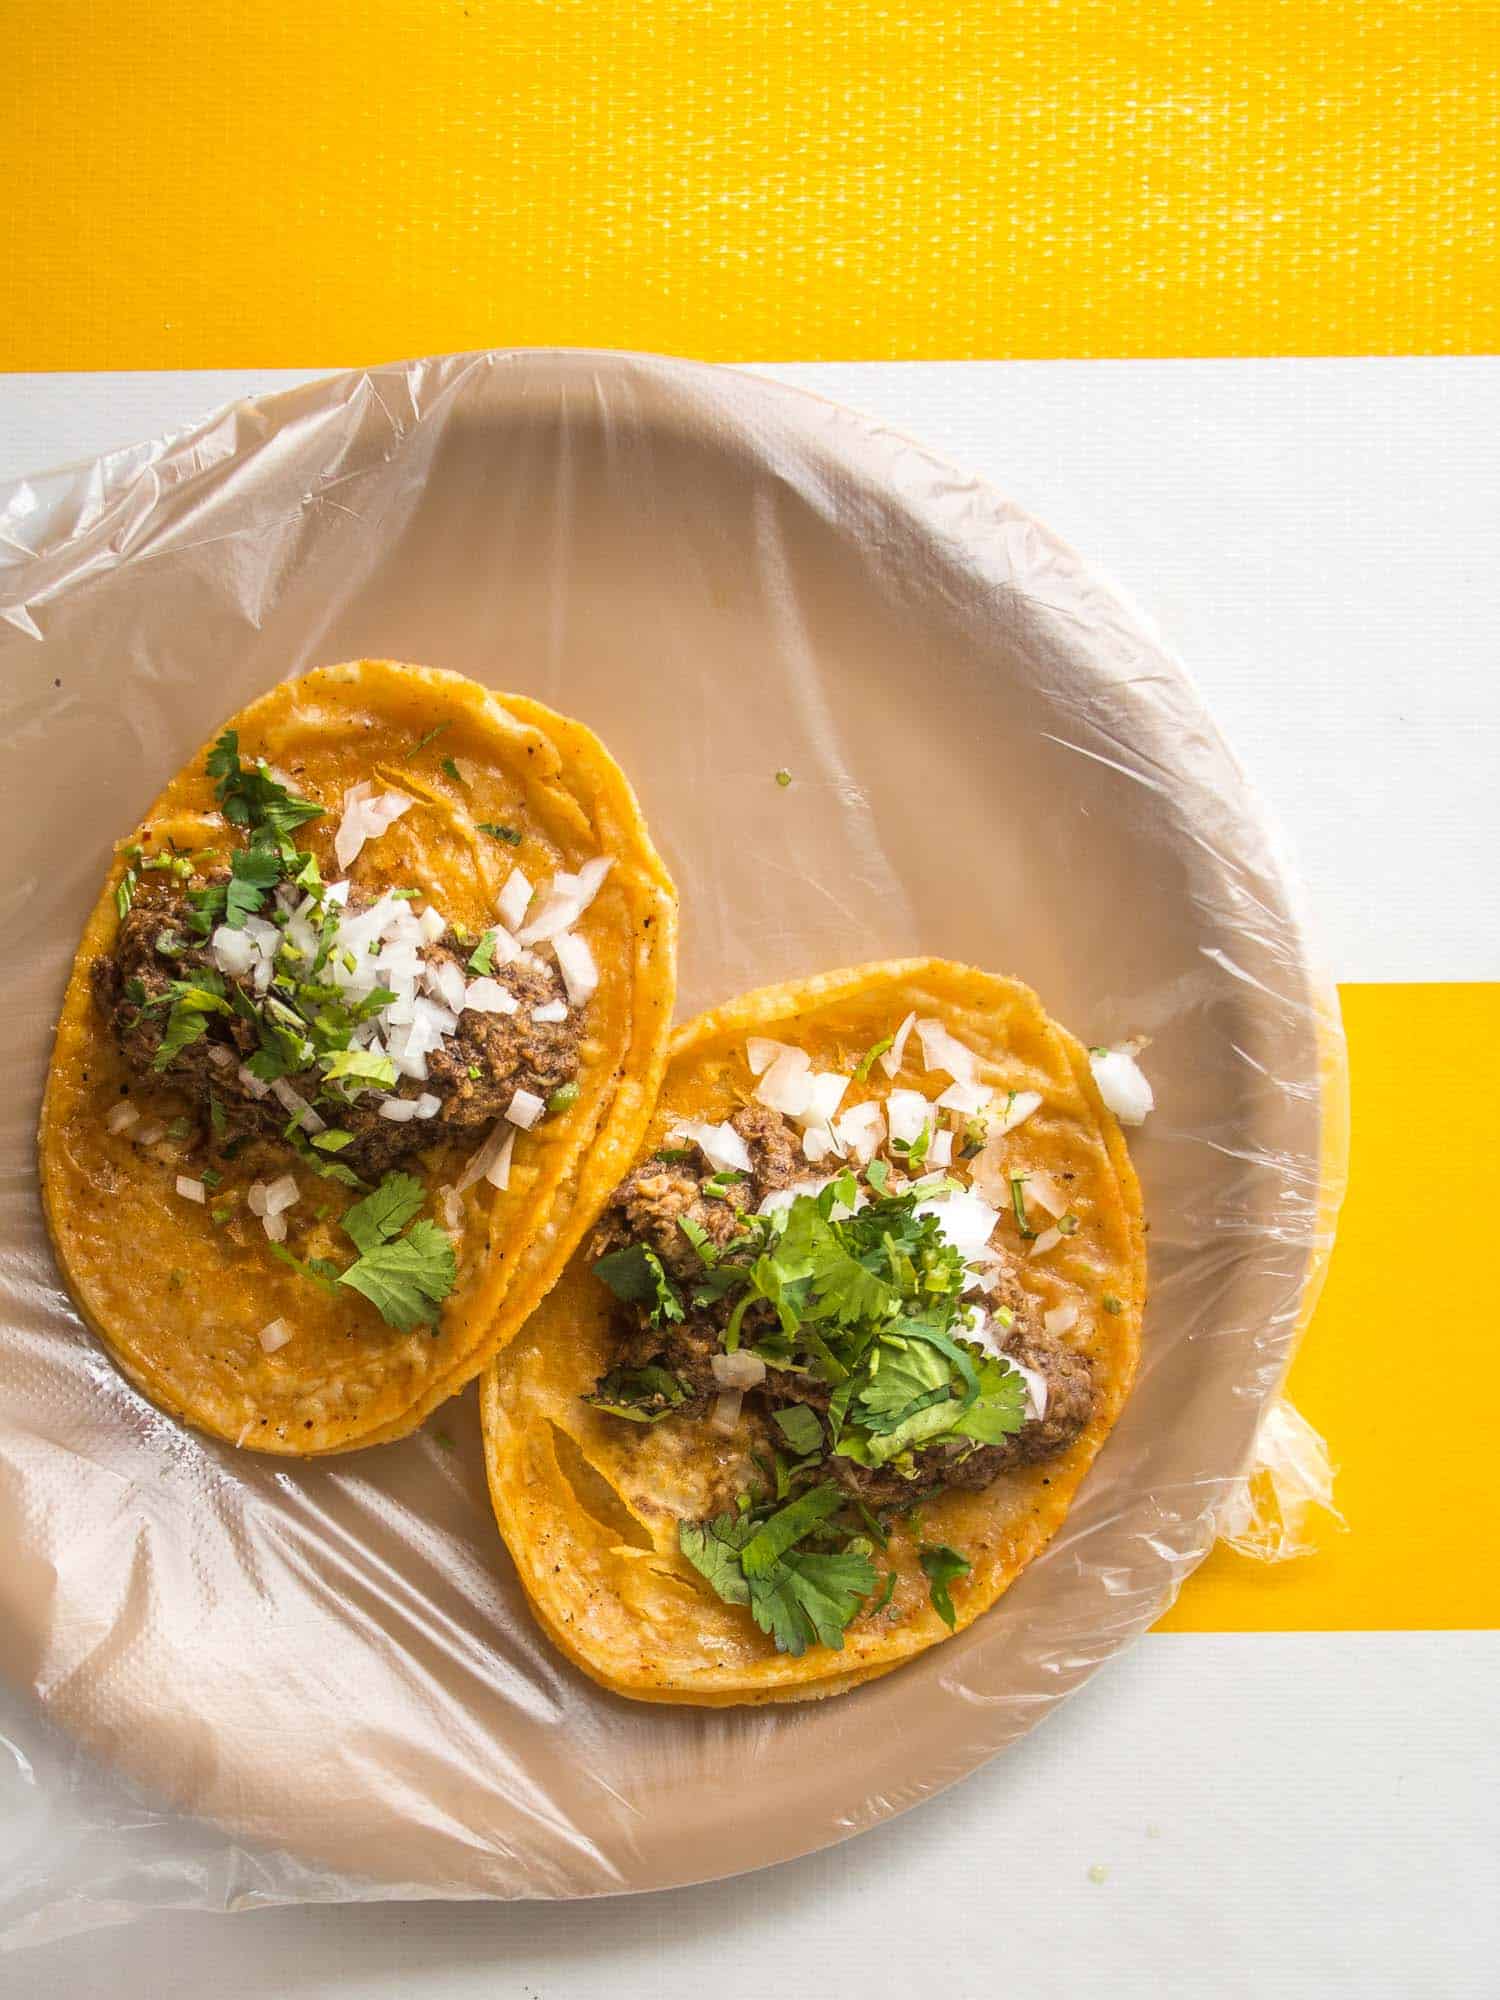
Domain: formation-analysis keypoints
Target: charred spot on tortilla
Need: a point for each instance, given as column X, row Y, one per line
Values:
column 843, row 1342
column 355, row 1076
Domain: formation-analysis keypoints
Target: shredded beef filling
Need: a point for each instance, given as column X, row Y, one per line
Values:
column 475, row 1073
column 649, row 1207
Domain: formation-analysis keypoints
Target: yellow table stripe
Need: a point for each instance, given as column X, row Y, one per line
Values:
column 252, row 182
column 1398, row 1368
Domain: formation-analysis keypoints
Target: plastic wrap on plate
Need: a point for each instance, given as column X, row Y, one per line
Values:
column 234, row 1680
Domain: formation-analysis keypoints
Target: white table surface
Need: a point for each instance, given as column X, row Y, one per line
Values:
column 1289, row 1814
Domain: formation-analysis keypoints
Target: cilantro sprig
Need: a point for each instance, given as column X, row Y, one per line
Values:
column 803, row 1578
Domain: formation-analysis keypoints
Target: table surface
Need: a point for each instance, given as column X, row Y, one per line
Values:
column 1290, row 1787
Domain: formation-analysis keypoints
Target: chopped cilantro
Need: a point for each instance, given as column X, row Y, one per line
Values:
column 639, row 1395
column 509, row 834
column 385, row 1213
column 406, row 1280
column 451, row 770
column 332, row 1141
column 191, row 1002
column 135, row 991
column 887, row 1592
column 942, row 1566
column 475, row 1071
column 564, row 1099
column 125, row 890
column 482, row 959
column 359, row 1066
column 252, row 798
column 717, row 1186
column 423, row 741
column 216, row 1116
column 800, row 1597
column 318, row 1269
column 221, row 1215
column 1111, row 1304
column 252, row 871
column 1067, row 1224
column 180, row 1128
column 700, row 1239
column 636, row 1274
column 868, row 1060
column 799, row 1425
column 1018, row 1203
column 783, row 778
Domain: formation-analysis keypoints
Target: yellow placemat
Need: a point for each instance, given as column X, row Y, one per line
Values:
column 253, row 182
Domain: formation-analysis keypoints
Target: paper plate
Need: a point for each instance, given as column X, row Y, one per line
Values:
column 990, row 760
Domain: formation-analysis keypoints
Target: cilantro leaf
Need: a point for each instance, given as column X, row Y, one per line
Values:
column 318, row 1269
column 423, row 741
column 867, row 1061
column 482, row 959
column 509, row 834
column 799, row 1425
column 252, row 798
column 252, row 871
column 788, row 1527
column 942, row 1566
column 385, row 1213
column 451, row 770
column 640, row 1395
column 636, row 1275
column 811, row 1597
column 713, row 1548
column 408, row 1279
column 359, row 1066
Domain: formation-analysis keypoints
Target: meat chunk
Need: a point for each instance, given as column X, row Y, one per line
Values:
column 474, row 1072
column 652, row 1202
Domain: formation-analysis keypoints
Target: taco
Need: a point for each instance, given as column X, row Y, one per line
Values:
column 845, row 1341
column 367, row 1022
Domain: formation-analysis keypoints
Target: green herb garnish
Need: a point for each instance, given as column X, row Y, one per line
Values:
column 800, row 1596
column 783, row 778
column 871, row 1056
column 563, row 1099
column 482, row 959
column 509, row 834
column 942, row 1566
column 451, row 770
column 423, row 741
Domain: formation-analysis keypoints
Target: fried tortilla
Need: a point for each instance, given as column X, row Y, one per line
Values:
column 368, row 1020
column 844, row 1345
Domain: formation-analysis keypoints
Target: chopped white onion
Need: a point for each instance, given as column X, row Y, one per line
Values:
column 255, row 1198
column 550, row 1010
column 989, row 1172
column 497, row 1173
column 783, row 1197
column 1036, row 1388
column 515, row 898
column 451, row 1209
column 738, row 1370
column 1048, row 1240
column 232, row 951
column 1122, row 1085
column 274, row 1334
column 720, row 1145
column 433, row 923
column 191, row 1190
column 1019, row 1107
column 893, row 1057
column 281, row 1194
column 447, row 980
column 726, row 1417
column 817, row 1144
column 428, row 1106
column 275, row 1227
column 500, row 1140
column 488, row 996
column 399, row 1110
column 120, row 1116
column 826, row 1092
column 940, row 1050
column 966, row 1099
column 298, row 1106
column 963, row 1219
column 252, row 1082
column 861, row 1130
column 1042, row 1189
column 576, row 964
column 761, row 1052
column 525, row 1108
column 147, row 1135
column 940, row 1151
column 787, row 1085
column 566, row 899
column 366, row 815
column 1061, row 1319
column 217, row 1053
column 907, row 1113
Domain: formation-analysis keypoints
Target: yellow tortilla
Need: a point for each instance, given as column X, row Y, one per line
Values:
column 589, row 1505
column 179, row 1301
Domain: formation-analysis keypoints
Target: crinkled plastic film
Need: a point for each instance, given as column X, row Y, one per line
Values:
column 237, row 1681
